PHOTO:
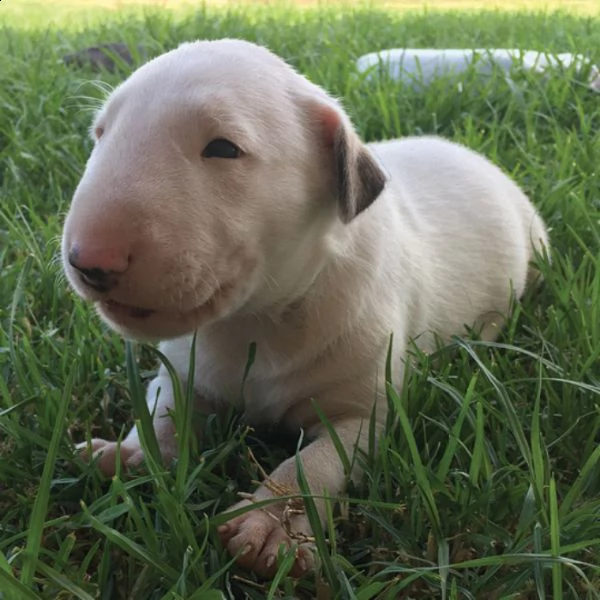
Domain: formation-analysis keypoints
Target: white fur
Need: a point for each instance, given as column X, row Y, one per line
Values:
column 275, row 235
column 418, row 67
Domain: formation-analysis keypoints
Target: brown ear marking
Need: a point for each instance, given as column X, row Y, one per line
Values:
column 359, row 178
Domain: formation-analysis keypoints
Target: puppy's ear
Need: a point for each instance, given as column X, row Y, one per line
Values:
column 359, row 178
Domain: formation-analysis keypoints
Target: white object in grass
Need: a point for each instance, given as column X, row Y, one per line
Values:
column 420, row 66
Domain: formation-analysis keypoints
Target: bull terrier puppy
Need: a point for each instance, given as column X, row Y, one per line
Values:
column 229, row 196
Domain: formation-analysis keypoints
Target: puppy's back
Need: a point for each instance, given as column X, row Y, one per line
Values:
column 477, row 230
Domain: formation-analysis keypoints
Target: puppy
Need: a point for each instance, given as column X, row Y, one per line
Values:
column 228, row 195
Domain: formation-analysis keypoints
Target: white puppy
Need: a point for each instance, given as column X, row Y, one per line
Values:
column 229, row 195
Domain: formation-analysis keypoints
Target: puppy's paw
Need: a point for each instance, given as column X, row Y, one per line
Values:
column 256, row 537
column 108, row 453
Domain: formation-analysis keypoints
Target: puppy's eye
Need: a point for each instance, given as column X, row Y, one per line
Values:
column 98, row 132
column 221, row 148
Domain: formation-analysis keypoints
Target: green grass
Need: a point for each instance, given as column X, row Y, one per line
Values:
column 487, row 485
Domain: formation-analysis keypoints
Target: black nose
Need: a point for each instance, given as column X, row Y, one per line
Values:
column 94, row 277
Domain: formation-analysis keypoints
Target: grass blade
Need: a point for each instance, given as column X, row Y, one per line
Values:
column 419, row 469
column 40, row 506
column 152, row 454
column 14, row 589
column 557, row 569
column 129, row 546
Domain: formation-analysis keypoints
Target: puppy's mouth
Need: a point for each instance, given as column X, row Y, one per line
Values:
column 125, row 310
column 120, row 312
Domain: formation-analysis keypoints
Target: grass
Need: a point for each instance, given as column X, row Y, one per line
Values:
column 69, row 13
column 488, row 483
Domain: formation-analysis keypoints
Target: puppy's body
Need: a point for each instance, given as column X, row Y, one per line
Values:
column 293, row 244
column 427, row 258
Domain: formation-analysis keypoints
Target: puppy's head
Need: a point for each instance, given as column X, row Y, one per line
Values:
column 216, row 178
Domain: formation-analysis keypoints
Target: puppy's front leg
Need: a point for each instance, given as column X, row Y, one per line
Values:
column 160, row 399
column 258, row 534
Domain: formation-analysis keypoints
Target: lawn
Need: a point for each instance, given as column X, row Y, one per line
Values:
column 488, row 486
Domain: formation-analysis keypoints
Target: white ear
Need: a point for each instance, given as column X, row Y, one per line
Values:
column 359, row 178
